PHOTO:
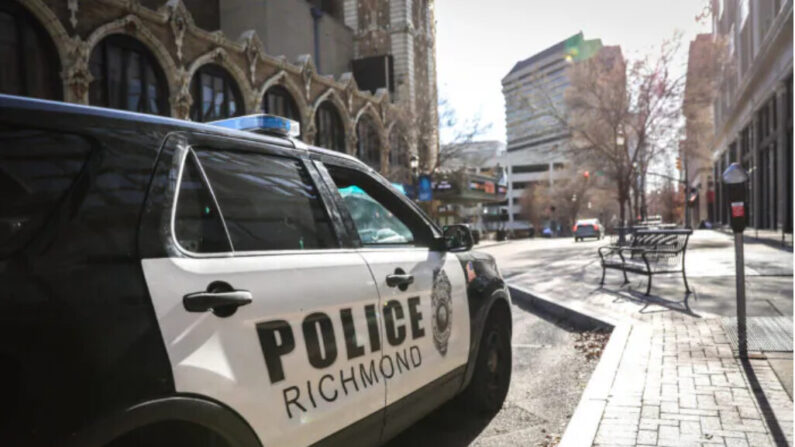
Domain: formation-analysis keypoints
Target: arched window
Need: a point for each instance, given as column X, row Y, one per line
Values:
column 278, row 101
column 29, row 64
column 215, row 94
column 127, row 77
column 330, row 133
column 368, row 146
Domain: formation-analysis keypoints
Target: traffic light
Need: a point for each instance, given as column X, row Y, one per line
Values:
column 586, row 174
column 678, row 163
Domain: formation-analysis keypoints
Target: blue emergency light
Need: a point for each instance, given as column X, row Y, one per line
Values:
column 262, row 123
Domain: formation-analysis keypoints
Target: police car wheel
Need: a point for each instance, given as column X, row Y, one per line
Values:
column 492, row 376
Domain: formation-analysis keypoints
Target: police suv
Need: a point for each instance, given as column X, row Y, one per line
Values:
column 167, row 283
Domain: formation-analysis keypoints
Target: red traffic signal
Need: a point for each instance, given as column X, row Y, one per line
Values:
column 586, row 174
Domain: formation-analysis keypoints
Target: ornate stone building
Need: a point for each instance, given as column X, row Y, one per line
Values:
column 178, row 58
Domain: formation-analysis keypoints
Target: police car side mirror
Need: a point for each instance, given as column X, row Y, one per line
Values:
column 457, row 238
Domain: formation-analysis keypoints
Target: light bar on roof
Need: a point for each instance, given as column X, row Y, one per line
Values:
column 262, row 123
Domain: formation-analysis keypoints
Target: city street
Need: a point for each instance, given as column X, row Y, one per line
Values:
column 548, row 377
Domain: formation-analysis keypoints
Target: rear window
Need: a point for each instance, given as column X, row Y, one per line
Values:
column 264, row 203
column 37, row 169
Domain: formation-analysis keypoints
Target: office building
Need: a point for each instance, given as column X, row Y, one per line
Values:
column 536, row 141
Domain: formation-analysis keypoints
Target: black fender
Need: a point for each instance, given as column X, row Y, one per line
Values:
column 199, row 410
column 485, row 287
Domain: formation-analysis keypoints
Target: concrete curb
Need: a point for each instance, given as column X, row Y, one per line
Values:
column 584, row 423
column 489, row 243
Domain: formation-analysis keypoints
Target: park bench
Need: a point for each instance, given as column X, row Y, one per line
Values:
column 648, row 252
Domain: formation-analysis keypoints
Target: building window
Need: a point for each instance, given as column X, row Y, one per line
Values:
column 127, row 77
column 215, row 95
column 278, row 101
column 28, row 61
column 368, row 147
column 524, row 169
column 330, row 7
column 330, row 133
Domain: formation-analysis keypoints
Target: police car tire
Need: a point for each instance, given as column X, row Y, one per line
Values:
column 492, row 375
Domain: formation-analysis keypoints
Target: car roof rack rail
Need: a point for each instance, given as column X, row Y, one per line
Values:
column 262, row 123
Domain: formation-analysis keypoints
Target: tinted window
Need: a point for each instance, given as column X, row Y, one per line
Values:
column 267, row 202
column 28, row 60
column 198, row 224
column 37, row 168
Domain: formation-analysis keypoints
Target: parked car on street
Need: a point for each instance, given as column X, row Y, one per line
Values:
column 169, row 283
column 587, row 228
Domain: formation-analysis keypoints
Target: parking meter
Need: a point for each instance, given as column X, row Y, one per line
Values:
column 735, row 179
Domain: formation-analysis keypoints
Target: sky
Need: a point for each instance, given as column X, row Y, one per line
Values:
column 478, row 41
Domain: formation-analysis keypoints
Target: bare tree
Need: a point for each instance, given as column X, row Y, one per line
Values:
column 562, row 201
column 458, row 132
column 621, row 116
column 668, row 201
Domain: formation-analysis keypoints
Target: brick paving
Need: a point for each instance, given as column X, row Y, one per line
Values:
column 679, row 384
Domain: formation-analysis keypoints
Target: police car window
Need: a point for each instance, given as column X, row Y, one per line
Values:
column 197, row 224
column 37, row 168
column 380, row 218
column 268, row 202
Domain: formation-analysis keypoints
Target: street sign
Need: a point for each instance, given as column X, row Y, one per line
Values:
column 424, row 188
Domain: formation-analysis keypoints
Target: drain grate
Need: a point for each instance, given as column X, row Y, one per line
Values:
column 770, row 334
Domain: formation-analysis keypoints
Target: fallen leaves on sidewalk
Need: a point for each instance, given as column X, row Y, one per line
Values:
column 591, row 343
column 550, row 440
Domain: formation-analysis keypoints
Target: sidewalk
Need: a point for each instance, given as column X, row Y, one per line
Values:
column 775, row 238
column 676, row 380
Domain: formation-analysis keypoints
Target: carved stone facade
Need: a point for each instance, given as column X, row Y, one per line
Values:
column 180, row 48
column 406, row 30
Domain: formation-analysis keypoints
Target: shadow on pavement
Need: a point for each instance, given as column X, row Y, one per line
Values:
column 451, row 425
column 637, row 297
column 764, row 405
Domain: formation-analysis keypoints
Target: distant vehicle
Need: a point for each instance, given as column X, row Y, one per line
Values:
column 654, row 220
column 587, row 228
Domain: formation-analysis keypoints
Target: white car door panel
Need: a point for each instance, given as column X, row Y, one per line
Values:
column 428, row 322
column 291, row 361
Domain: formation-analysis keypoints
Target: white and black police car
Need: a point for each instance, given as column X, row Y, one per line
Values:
column 167, row 283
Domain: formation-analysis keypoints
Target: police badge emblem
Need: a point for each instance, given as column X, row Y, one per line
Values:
column 442, row 307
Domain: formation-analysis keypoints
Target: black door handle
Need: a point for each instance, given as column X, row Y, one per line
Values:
column 399, row 279
column 220, row 297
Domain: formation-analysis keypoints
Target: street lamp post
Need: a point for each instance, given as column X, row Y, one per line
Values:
column 622, row 231
column 414, row 165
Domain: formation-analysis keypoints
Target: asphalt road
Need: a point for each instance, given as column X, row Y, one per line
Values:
column 548, row 377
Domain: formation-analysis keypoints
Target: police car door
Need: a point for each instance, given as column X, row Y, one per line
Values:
column 423, row 291
column 258, row 305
